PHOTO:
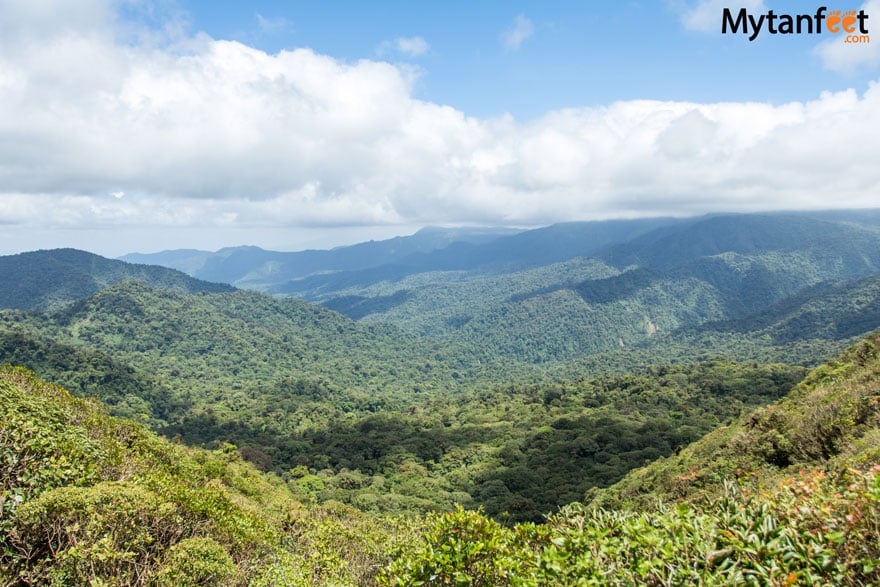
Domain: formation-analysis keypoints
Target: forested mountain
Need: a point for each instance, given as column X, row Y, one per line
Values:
column 792, row 497
column 517, row 382
column 661, row 285
column 229, row 348
column 256, row 268
column 581, row 289
column 515, row 253
column 45, row 279
column 382, row 416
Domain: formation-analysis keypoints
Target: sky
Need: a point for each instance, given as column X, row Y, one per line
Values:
column 147, row 125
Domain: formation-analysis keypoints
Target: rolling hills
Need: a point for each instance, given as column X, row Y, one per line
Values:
column 662, row 285
column 47, row 279
column 569, row 291
column 523, row 376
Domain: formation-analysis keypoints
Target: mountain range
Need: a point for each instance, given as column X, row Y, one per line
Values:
column 791, row 287
column 517, row 371
column 576, row 289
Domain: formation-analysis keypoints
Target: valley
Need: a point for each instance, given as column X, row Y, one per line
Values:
column 513, row 373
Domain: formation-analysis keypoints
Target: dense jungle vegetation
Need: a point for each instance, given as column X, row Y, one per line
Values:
column 622, row 403
column 794, row 498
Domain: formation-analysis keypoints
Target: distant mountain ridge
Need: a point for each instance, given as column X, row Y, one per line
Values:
column 723, row 282
column 255, row 268
column 44, row 279
column 572, row 289
column 662, row 284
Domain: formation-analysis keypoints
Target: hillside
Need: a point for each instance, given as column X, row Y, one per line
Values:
column 570, row 291
column 830, row 419
column 90, row 499
column 86, row 372
column 789, row 493
column 48, row 279
column 367, row 415
column 237, row 366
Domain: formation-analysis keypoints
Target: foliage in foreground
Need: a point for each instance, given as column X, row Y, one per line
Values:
column 86, row 499
column 813, row 529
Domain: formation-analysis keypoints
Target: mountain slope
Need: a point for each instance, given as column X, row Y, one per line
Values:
column 749, row 234
column 662, row 285
column 86, row 499
column 515, row 253
column 832, row 417
column 45, row 279
column 787, row 495
column 256, row 268
column 87, row 372
column 241, row 366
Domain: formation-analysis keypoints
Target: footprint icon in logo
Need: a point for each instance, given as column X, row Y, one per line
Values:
column 833, row 21
column 849, row 21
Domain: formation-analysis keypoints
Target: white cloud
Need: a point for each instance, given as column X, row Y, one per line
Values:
column 705, row 15
column 522, row 29
column 408, row 46
column 412, row 46
column 838, row 55
column 209, row 133
column 271, row 25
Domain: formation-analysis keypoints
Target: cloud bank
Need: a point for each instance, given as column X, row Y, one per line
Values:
column 102, row 125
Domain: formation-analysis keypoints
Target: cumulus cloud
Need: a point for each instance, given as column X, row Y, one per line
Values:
column 521, row 30
column 206, row 132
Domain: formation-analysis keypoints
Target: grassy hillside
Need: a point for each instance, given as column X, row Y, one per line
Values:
column 49, row 279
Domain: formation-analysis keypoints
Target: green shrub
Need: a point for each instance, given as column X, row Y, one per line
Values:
column 111, row 532
column 460, row 548
column 195, row 562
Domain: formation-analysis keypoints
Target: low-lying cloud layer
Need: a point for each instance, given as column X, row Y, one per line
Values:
column 100, row 124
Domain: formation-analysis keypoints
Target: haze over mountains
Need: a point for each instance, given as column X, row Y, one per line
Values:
column 575, row 289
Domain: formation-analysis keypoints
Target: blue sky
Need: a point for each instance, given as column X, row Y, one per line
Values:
column 140, row 125
column 573, row 54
